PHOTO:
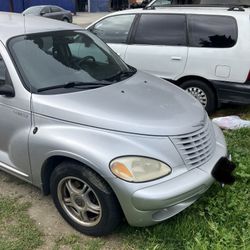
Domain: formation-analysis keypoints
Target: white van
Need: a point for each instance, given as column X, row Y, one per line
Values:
column 203, row 50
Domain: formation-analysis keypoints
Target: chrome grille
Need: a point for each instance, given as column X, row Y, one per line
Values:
column 196, row 148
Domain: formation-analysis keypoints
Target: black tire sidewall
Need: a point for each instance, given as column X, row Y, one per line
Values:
column 65, row 19
column 211, row 102
column 111, row 215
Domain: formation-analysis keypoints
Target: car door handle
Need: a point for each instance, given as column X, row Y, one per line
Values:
column 176, row 58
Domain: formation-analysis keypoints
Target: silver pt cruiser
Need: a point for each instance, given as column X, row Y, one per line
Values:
column 104, row 139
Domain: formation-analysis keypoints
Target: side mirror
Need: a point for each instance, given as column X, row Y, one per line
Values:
column 7, row 90
column 42, row 13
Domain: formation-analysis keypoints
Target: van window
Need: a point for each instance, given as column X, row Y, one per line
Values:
column 212, row 31
column 114, row 29
column 161, row 30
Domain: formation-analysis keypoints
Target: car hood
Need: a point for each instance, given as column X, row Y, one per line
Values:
column 141, row 104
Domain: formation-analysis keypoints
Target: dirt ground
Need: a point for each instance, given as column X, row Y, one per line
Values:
column 43, row 212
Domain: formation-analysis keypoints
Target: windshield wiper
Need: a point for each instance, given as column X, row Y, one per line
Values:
column 122, row 74
column 81, row 85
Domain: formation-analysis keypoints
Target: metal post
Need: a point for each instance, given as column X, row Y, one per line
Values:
column 89, row 5
column 11, row 5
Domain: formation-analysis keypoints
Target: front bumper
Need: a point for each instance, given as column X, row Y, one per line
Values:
column 152, row 204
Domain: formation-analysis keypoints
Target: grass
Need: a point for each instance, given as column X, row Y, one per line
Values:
column 75, row 242
column 17, row 230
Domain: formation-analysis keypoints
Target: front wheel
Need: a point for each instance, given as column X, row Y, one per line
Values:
column 202, row 92
column 84, row 200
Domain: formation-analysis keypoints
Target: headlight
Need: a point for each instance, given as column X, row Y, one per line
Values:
column 139, row 169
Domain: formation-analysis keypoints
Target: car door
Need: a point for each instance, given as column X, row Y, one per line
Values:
column 159, row 45
column 15, row 121
column 115, row 30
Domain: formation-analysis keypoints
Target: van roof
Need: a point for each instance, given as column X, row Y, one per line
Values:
column 220, row 10
column 12, row 24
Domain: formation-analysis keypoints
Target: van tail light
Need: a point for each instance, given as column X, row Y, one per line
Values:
column 248, row 77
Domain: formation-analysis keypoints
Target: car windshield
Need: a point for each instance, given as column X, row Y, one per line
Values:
column 63, row 59
column 33, row 10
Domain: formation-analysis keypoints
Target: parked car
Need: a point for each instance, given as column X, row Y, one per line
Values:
column 203, row 50
column 104, row 139
column 50, row 11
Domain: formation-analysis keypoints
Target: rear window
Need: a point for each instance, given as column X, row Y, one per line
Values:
column 212, row 31
column 161, row 30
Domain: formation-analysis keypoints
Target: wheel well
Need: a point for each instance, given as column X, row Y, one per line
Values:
column 47, row 169
column 187, row 78
column 50, row 164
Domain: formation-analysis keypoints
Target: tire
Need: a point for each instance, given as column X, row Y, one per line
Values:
column 84, row 199
column 65, row 19
column 202, row 92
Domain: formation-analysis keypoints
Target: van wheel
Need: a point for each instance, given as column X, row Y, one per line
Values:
column 202, row 92
column 84, row 200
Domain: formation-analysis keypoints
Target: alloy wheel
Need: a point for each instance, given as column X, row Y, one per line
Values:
column 79, row 201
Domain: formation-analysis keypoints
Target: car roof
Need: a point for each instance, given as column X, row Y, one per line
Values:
column 12, row 25
column 37, row 6
column 187, row 10
column 47, row 5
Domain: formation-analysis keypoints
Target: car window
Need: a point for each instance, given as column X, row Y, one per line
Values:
column 55, row 9
column 3, row 70
column 161, row 2
column 114, row 29
column 80, row 50
column 161, row 30
column 46, row 10
column 35, row 10
column 212, row 31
